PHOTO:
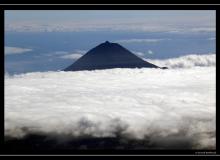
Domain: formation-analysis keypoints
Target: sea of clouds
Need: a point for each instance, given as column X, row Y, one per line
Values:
column 166, row 107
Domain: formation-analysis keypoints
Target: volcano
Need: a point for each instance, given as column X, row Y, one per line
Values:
column 109, row 55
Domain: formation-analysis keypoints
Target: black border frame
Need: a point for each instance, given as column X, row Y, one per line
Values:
column 107, row 7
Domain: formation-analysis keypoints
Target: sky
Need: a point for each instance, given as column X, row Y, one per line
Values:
column 80, row 15
column 44, row 40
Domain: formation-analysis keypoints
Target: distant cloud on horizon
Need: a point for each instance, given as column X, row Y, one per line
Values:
column 16, row 50
column 141, row 40
column 146, row 21
column 212, row 39
column 99, row 26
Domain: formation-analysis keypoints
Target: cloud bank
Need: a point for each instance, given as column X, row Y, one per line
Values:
column 16, row 50
column 160, row 107
column 188, row 61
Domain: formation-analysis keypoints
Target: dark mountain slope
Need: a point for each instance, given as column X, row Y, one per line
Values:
column 109, row 55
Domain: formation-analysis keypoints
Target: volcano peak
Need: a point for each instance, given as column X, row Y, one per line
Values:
column 109, row 55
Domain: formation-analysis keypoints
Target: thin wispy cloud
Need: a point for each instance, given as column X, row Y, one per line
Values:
column 150, row 52
column 143, row 54
column 204, row 29
column 142, row 40
column 211, row 39
column 16, row 50
column 140, row 54
column 59, row 53
column 74, row 56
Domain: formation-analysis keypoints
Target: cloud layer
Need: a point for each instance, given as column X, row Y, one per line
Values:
column 188, row 61
column 106, row 25
column 16, row 50
column 164, row 106
column 146, row 21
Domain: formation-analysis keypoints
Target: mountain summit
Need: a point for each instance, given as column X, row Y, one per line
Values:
column 109, row 55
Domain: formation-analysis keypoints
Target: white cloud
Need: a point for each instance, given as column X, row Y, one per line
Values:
column 6, row 74
column 188, row 61
column 60, row 53
column 141, row 40
column 140, row 54
column 203, row 29
column 16, row 50
column 159, row 104
column 212, row 39
column 150, row 52
column 73, row 56
column 76, row 55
